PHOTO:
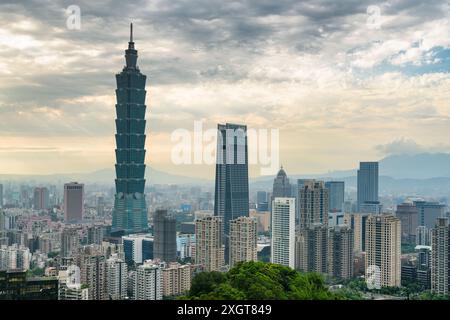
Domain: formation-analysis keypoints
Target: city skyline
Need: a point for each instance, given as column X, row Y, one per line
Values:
column 319, row 73
column 264, row 98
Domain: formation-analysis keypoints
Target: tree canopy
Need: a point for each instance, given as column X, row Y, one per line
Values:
column 259, row 281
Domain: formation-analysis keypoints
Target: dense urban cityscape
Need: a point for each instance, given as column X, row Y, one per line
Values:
column 71, row 241
column 380, row 231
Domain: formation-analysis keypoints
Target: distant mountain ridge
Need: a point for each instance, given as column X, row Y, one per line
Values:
column 107, row 176
column 423, row 172
column 417, row 166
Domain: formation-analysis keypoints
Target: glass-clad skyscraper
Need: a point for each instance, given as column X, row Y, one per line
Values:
column 130, row 211
column 367, row 184
column 231, row 190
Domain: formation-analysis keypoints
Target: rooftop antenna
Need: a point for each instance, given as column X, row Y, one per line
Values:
column 131, row 32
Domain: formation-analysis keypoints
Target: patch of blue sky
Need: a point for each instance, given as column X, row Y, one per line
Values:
column 436, row 60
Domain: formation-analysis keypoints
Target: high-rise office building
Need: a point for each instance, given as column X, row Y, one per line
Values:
column 165, row 236
column 281, row 188
column 243, row 240
column 440, row 257
column 231, row 185
column 138, row 248
column 374, row 207
column 73, row 202
column 281, row 185
column 311, row 248
column 100, row 206
column 340, row 252
column 367, row 188
column 283, row 232
column 336, row 193
column 407, row 213
column 209, row 248
column 383, row 249
column 40, row 198
column 313, row 206
column 116, row 278
column 428, row 212
column 130, row 209
column 148, row 281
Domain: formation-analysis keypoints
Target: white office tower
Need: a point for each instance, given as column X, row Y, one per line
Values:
column 116, row 278
column 283, row 232
column 440, row 252
column 148, row 282
column 137, row 247
column 383, row 249
column 243, row 240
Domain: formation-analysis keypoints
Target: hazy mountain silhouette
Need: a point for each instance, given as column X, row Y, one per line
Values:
column 421, row 173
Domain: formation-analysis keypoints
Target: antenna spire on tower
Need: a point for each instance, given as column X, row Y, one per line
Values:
column 131, row 32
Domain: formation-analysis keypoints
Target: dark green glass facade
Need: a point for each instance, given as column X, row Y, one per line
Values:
column 130, row 210
column 231, row 198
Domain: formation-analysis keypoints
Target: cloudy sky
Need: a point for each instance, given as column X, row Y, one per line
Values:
column 342, row 81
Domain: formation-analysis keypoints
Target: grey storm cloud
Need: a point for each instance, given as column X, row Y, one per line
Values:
column 210, row 40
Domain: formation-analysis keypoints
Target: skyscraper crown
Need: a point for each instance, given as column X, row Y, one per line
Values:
column 131, row 53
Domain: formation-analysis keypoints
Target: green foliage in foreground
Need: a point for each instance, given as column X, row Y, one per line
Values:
column 259, row 280
column 427, row 295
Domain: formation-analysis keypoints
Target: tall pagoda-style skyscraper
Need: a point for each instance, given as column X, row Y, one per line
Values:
column 130, row 210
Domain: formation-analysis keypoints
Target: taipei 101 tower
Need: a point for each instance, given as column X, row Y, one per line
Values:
column 130, row 210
